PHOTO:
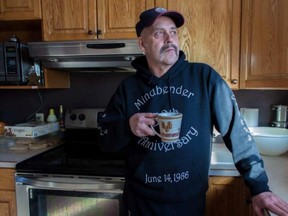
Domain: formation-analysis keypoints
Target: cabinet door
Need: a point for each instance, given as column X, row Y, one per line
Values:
column 20, row 9
column 69, row 19
column 7, row 203
column 91, row 19
column 7, row 193
column 117, row 18
column 7, row 179
column 264, row 44
column 211, row 34
column 226, row 196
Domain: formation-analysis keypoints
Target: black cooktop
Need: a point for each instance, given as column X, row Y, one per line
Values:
column 79, row 155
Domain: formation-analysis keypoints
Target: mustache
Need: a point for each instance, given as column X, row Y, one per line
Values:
column 167, row 46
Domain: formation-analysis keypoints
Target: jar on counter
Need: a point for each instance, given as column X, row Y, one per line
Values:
column 280, row 116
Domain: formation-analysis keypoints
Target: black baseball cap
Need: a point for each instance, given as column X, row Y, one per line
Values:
column 148, row 17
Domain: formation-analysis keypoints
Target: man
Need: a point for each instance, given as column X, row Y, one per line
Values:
column 172, row 178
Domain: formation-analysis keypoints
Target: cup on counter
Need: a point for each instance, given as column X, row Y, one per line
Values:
column 169, row 126
column 251, row 116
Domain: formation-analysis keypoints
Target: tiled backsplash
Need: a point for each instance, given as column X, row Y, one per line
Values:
column 92, row 90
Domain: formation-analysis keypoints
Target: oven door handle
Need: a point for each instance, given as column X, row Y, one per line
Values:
column 70, row 183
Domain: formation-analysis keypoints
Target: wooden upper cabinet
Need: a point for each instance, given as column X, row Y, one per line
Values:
column 20, row 9
column 211, row 34
column 69, row 19
column 264, row 51
column 91, row 19
column 117, row 18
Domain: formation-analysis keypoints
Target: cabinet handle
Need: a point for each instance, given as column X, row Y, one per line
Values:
column 234, row 81
column 90, row 32
column 98, row 32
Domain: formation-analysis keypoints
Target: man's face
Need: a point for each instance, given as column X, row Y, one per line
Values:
column 159, row 42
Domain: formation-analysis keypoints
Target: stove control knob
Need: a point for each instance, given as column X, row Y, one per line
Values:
column 82, row 117
column 73, row 117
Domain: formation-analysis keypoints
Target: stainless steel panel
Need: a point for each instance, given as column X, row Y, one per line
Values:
column 75, row 55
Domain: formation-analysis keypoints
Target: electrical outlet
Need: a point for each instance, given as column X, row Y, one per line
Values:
column 39, row 117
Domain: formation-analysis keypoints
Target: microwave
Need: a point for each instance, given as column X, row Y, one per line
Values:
column 15, row 63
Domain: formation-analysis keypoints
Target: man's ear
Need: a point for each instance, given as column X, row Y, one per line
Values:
column 141, row 44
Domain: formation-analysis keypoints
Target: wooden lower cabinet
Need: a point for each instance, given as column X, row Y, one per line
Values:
column 228, row 196
column 7, row 203
column 7, row 193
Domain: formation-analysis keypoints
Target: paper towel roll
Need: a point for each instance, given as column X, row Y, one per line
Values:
column 251, row 116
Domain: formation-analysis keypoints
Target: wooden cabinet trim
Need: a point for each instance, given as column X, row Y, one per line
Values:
column 56, row 79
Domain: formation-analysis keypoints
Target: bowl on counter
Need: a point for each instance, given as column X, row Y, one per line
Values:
column 271, row 141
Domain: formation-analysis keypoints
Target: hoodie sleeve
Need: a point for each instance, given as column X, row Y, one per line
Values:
column 113, row 124
column 229, row 122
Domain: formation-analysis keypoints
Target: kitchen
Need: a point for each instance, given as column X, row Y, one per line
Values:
column 103, row 85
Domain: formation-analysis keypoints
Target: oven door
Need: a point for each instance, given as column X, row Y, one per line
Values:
column 68, row 195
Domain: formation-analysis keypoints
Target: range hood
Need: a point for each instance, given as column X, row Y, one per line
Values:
column 86, row 56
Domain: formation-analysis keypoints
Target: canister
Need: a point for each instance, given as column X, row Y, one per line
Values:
column 280, row 113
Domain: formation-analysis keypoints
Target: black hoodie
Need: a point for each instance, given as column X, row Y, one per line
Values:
column 172, row 172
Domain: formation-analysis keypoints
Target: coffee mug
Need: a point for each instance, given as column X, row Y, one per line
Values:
column 169, row 126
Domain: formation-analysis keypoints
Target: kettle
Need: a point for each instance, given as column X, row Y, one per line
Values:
column 14, row 39
column 280, row 116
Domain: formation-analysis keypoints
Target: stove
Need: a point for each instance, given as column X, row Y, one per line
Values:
column 80, row 154
column 67, row 160
column 73, row 178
